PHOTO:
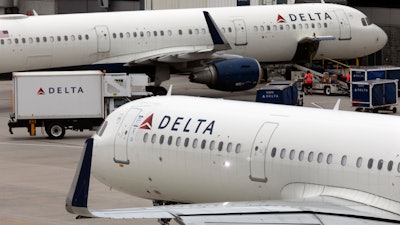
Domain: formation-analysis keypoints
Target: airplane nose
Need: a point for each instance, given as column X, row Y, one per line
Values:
column 382, row 38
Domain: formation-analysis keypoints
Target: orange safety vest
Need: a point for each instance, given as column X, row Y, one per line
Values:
column 308, row 78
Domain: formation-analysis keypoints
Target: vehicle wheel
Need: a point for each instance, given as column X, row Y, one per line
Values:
column 394, row 110
column 55, row 130
column 327, row 91
column 156, row 90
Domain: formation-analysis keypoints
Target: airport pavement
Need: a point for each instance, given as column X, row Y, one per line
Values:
column 36, row 172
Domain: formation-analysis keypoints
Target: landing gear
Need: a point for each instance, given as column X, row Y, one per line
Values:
column 163, row 221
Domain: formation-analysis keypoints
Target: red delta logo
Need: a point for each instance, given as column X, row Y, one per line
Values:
column 41, row 91
column 147, row 124
column 280, row 19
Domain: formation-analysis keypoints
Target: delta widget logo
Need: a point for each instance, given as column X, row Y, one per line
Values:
column 280, row 19
column 147, row 124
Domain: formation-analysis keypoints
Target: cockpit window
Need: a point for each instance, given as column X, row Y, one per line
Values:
column 366, row 21
column 103, row 126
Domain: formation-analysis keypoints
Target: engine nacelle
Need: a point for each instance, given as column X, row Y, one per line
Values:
column 238, row 74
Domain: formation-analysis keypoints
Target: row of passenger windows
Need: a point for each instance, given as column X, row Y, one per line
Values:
column 320, row 158
column 155, row 33
column 50, row 39
column 288, row 27
column 194, row 143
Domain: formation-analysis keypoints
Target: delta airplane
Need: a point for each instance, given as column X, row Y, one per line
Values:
column 244, row 163
column 220, row 47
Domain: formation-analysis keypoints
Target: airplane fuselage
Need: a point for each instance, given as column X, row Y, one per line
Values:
column 265, row 33
column 171, row 149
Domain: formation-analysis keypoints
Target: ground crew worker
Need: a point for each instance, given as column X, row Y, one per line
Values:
column 308, row 80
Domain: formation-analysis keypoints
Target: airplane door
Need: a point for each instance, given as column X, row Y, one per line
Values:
column 121, row 139
column 344, row 25
column 240, row 31
column 103, row 39
column 259, row 152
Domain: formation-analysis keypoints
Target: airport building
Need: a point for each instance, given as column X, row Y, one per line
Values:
column 385, row 13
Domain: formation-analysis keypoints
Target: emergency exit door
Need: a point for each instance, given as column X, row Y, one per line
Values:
column 240, row 32
column 259, row 151
column 103, row 39
column 121, row 139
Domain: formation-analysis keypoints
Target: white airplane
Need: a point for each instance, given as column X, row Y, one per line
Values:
column 220, row 47
column 265, row 164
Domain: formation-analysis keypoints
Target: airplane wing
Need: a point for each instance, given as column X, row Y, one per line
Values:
column 180, row 54
column 322, row 210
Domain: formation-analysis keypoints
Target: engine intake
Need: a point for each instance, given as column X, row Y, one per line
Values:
column 238, row 74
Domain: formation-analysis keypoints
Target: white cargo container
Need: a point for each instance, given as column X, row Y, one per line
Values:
column 60, row 100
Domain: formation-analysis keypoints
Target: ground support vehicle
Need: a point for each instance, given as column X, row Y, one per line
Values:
column 374, row 95
column 76, row 100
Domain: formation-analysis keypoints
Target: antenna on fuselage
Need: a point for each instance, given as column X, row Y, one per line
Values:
column 169, row 93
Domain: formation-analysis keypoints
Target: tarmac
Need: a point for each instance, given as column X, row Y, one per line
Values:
column 36, row 172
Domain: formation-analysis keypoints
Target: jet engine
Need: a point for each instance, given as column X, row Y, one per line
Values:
column 237, row 74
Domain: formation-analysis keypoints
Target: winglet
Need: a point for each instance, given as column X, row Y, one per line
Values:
column 169, row 93
column 337, row 105
column 220, row 42
column 77, row 197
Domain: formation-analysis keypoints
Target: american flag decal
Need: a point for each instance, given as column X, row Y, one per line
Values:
column 4, row 34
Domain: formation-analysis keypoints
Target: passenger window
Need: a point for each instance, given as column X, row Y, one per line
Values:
column 311, row 156
column 16, row 40
column 273, row 152
column 312, row 25
column 319, row 25
column 380, row 164
column 134, row 34
column 220, row 146
column 300, row 26
column 294, row 26
column 262, row 28
column 268, row 28
column 325, row 25
column 364, row 23
column 229, row 147
column 370, row 163
column 128, row 35
column 161, row 32
column 390, row 166
column 203, row 144
column 281, row 27
column 80, row 37
column 191, row 32
column 329, row 159
column 148, row 33
column 161, row 139
column 170, row 140
column 287, row 27
column 51, row 39
column 292, row 153
column 146, row 137
column 155, row 33
column 178, row 141
column 344, row 160
column 275, row 28
column 153, row 138
column 238, row 146
column 114, row 35
column 230, row 29
column 23, row 40
column 9, row 41
column 186, row 143
column 194, row 145
column 283, row 153
column 255, row 29
column 66, row 38
column 301, row 155
column 212, row 145
column 359, row 162
column 320, row 157
column 2, row 41
column 169, row 33
column 203, row 31
column 306, row 26
column 398, row 167
column 180, row 32
column 37, row 39
column 30, row 40
column 72, row 37
column 141, row 34
column 44, row 39
column 121, row 35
